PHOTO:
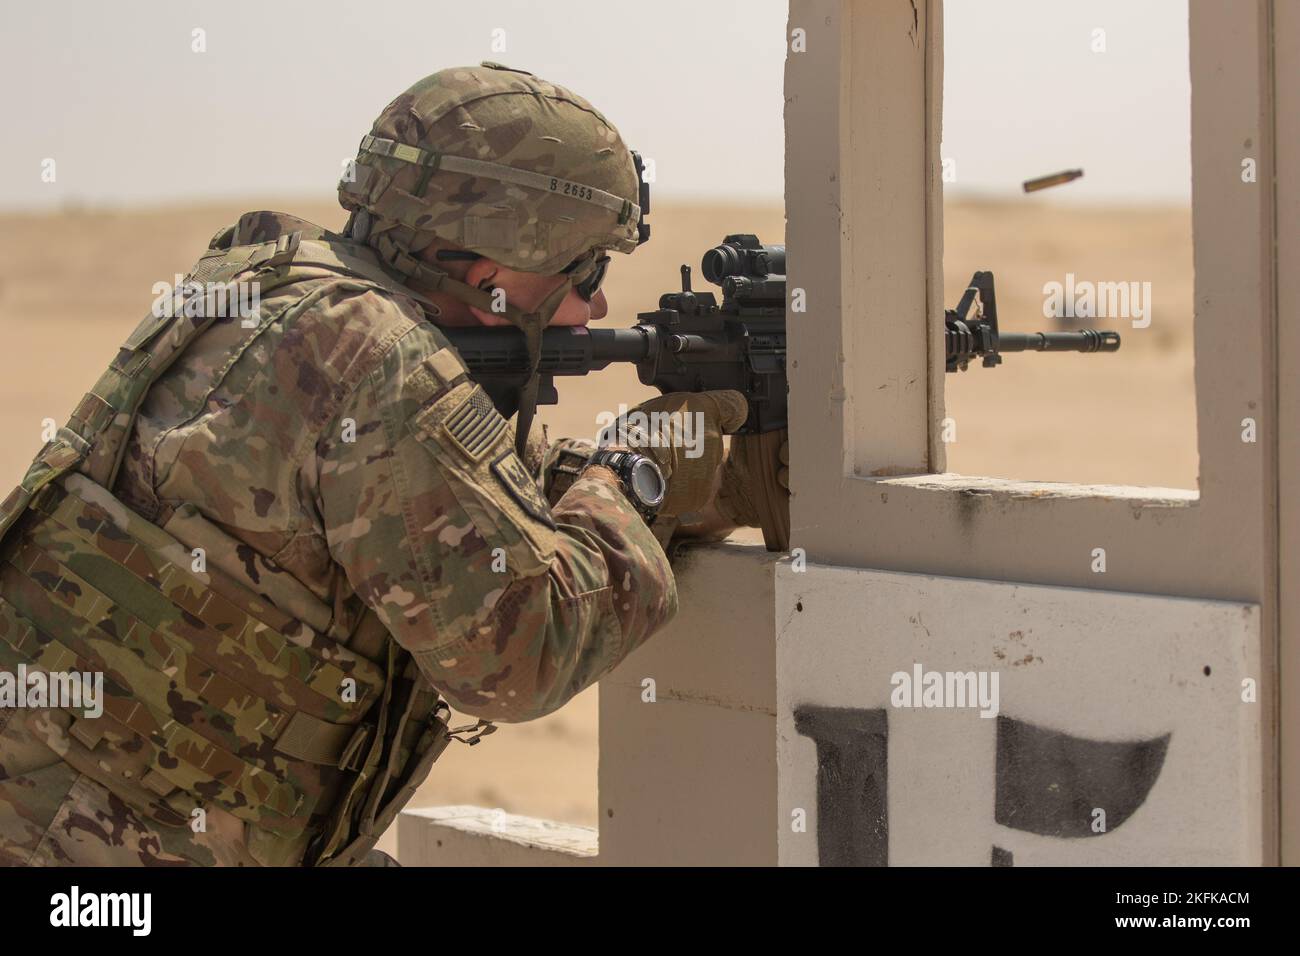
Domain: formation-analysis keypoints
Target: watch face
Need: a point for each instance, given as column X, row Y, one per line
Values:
column 647, row 483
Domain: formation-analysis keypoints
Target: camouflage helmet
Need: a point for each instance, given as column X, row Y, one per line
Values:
column 500, row 162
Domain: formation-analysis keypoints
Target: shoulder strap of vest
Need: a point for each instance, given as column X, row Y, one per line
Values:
column 351, row 259
column 321, row 249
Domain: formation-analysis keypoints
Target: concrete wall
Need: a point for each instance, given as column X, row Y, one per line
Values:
column 1089, row 727
column 690, row 777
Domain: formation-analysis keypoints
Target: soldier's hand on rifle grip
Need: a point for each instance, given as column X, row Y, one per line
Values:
column 755, row 486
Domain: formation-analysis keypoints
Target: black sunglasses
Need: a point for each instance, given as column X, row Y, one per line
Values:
column 586, row 289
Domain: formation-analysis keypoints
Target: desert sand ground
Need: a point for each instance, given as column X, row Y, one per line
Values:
column 73, row 285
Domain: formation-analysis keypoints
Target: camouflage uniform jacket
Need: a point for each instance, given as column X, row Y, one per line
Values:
column 335, row 460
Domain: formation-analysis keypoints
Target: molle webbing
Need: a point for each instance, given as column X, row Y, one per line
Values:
column 235, row 624
column 198, row 766
column 229, row 701
column 229, row 706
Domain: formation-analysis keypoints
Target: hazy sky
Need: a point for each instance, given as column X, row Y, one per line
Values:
column 1025, row 95
column 114, row 93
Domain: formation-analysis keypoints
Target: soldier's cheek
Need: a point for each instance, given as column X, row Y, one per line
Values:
column 574, row 311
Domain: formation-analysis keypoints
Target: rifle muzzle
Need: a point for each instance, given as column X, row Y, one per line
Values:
column 1084, row 340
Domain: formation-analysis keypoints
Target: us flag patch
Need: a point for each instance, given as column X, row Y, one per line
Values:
column 475, row 425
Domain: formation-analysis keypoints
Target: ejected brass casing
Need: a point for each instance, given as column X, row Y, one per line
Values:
column 1055, row 179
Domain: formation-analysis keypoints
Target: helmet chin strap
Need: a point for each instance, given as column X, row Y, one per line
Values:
column 530, row 323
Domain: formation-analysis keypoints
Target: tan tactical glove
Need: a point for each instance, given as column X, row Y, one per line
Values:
column 682, row 432
column 737, row 497
column 754, row 488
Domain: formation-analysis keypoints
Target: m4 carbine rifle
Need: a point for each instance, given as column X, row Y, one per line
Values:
column 692, row 343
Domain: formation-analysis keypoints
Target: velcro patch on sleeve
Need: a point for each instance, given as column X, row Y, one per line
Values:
column 475, row 425
column 446, row 367
column 521, row 486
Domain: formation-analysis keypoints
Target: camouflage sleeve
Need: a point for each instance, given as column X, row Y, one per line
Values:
column 509, row 605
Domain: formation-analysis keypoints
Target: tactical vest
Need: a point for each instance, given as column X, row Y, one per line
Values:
column 315, row 748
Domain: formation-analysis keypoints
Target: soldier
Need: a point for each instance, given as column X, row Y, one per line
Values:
column 282, row 535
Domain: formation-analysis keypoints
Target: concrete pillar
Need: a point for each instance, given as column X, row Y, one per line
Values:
column 1090, row 679
column 1284, row 30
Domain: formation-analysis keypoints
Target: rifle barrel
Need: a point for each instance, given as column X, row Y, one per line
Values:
column 618, row 345
column 566, row 350
column 1084, row 340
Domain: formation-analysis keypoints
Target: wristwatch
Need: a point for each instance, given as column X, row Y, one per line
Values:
column 643, row 483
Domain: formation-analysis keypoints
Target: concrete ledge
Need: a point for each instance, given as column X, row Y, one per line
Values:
column 476, row 836
column 1012, row 489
